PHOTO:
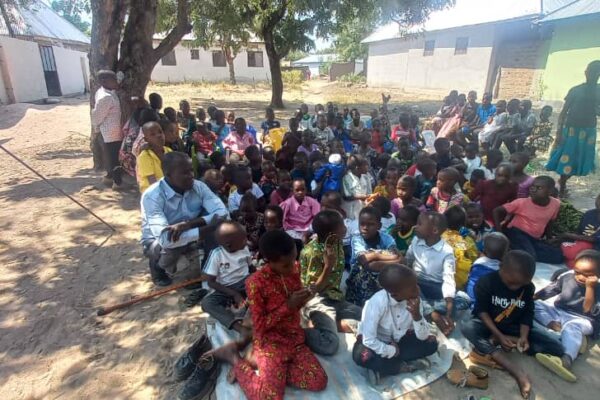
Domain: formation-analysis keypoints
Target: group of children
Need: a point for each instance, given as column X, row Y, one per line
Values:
column 344, row 227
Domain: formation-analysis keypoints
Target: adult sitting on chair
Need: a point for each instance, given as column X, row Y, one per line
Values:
column 177, row 212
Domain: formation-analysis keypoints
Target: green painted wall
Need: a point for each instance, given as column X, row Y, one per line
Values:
column 574, row 44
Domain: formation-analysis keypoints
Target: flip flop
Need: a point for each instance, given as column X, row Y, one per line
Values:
column 475, row 377
column 584, row 345
column 484, row 359
column 554, row 364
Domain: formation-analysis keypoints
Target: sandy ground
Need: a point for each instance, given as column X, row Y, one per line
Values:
column 58, row 263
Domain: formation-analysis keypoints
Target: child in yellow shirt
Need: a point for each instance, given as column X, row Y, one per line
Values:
column 387, row 187
column 149, row 161
column 465, row 249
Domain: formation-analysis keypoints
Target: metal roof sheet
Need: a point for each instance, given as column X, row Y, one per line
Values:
column 39, row 20
column 574, row 9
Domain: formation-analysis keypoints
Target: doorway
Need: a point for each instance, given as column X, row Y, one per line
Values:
column 50, row 71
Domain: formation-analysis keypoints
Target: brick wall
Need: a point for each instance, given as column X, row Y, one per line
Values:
column 520, row 69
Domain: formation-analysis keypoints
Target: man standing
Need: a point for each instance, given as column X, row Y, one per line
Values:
column 106, row 116
column 177, row 212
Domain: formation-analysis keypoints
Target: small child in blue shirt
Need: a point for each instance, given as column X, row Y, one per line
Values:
column 331, row 173
column 371, row 251
column 495, row 246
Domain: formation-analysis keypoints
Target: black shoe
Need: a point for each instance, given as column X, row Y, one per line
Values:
column 186, row 364
column 202, row 381
column 195, row 297
column 159, row 276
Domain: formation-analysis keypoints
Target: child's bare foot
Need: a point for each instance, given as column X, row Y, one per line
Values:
column 228, row 353
column 555, row 326
column 524, row 385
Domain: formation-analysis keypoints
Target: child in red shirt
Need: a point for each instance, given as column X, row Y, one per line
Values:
column 275, row 296
column 495, row 192
column 525, row 221
column 444, row 194
column 204, row 140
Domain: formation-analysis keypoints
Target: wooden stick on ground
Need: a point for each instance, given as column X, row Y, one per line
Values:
column 107, row 310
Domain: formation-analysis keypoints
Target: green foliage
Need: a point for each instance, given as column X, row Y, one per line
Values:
column 292, row 77
column 295, row 55
column 352, row 78
column 72, row 11
column 325, row 67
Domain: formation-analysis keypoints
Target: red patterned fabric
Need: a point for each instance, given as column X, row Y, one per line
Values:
column 278, row 347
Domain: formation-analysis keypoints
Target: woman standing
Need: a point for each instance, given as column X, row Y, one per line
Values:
column 574, row 149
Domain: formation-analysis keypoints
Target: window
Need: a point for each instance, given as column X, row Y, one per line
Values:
column 255, row 59
column 195, row 54
column 429, row 48
column 219, row 59
column 462, row 43
column 169, row 59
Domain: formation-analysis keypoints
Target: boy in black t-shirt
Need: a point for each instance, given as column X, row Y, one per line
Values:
column 503, row 316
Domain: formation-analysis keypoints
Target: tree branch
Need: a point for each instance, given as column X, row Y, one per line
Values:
column 182, row 28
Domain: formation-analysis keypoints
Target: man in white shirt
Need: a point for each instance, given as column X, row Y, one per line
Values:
column 177, row 212
column 226, row 270
column 106, row 116
column 393, row 330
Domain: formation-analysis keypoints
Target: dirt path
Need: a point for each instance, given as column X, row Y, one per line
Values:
column 58, row 263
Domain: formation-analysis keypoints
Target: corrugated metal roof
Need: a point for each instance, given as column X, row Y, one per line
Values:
column 315, row 59
column 464, row 13
column 39, row 20
column 577, row 8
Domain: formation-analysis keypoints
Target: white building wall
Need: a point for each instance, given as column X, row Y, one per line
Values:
column 24, row 65
column 202, row 69
column 401, row 63
column 70, row 70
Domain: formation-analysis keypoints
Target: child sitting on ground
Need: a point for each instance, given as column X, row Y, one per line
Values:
column 383, row 205
column 587, row 235
column 495, row 192
column 426, row 180
column 284, row 188
column 433, row 261
column 371, row 251
column 301, row 168
column 541, row 139
column 242, row 179
column 495, row 246
column 519, row 161
column 215, row 182
column 205, row 141
column 356, row 186
column 268, row 180
column 524, row 221
column 299, row 211
column 393, row 330
column 405, row 155
column 405, row 195
column 404, row 230
column 475, row 223
column 269, row 123
column 239, row 139
column 149, row 161
column 494, row 158
column 172, row 139
column 503, row 316
column 226, row 270
column 250, row 219
column 331, row 174
column 322, row 265
column 444, row 195
column 471, row 160
column 465, row 250
column 275, row 296
column 476, row 176
column 574, row 313
column 307, row 147
column 252, row 154
column 387, row 188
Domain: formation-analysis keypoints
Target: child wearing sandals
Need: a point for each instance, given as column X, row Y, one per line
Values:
column 393, row 330
column 503, row 318
column 275, row 297
column 574, row 313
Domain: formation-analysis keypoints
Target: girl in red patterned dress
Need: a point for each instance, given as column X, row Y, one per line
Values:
column 275, row 296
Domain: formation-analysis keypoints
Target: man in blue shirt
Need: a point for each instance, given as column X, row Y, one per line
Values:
column 177, row 211
column 486, row 109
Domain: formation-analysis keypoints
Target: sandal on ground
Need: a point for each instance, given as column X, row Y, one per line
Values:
column 584, row 345
column 475, row 377
column 555, row 365
column 484, row 359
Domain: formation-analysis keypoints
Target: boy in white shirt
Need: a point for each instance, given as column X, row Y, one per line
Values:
column 393, row 330
column 434, row 262
column 226, row 271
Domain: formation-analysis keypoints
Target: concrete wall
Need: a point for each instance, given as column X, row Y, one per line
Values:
column 202, row 69
column 24, row 65
column 70, row 70
column 401, row 63
column 574, row 44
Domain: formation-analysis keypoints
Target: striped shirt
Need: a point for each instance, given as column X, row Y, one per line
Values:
column 106, row 115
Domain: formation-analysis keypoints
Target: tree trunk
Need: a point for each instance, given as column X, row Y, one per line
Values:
column 275, row 68
column 7, row 19
column 230, row 57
